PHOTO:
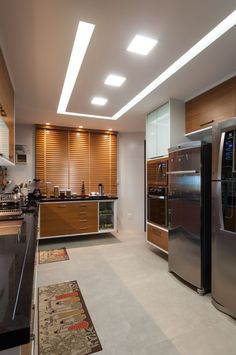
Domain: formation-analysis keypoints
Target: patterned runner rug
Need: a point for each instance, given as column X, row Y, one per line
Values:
column 65, row 327
column 50, row 256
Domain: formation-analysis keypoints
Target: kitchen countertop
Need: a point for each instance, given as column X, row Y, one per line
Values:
column 78, row 198
column 17, row 257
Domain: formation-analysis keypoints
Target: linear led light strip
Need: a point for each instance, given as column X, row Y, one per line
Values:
column 206, row 41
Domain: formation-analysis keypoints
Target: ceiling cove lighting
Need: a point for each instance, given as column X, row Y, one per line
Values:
column 101, row 101
column 206, row 41
column 82, row 39
column 141, row 45
column 114, row 80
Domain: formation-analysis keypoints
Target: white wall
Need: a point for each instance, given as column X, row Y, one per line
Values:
column 131, row 181
column 25, row 135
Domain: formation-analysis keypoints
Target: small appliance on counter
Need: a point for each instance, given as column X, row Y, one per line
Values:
column 10, row 206
column 35, row 193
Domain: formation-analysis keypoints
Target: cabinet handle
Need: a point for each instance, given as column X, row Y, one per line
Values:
column 61, row 206
column 83, row 220
column 83, row 228
column 83, row 205
column 204, row 124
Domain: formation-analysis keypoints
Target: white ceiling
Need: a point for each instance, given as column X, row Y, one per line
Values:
column 37, row 38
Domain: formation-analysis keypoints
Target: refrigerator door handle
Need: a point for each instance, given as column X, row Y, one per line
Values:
column 156, row 197
column 181, row 172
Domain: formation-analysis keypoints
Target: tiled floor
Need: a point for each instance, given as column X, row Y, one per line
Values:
column 136, row 305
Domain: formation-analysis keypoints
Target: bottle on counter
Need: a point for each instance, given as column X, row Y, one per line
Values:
column 83, row 189
column 48, row 189
column 56, row 191
column 68, row 193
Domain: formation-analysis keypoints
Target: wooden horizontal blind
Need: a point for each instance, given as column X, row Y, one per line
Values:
column 40, row 156
column 66, row 157
column 57, row 158
column 113, row 165
column 79, row 161
column 99, row 161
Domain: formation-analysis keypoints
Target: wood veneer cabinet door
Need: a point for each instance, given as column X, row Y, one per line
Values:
column 214, row 105
column 158, row 237
column 59, row 219
column 68, row 218
column 78, row 161
column 7, row 105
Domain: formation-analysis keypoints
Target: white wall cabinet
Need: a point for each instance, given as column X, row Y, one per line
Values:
column 165, row 127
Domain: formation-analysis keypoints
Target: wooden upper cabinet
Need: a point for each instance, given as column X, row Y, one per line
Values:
column 67, row 158
column 213, row 105
column 7, row 120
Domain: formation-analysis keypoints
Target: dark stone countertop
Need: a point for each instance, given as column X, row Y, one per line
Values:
column 17, row 258
column 77, row 198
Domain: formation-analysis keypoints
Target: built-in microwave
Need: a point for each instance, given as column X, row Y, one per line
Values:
column 157, row 172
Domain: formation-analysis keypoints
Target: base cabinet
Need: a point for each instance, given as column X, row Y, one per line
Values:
column 157, row 237
column 75, row 218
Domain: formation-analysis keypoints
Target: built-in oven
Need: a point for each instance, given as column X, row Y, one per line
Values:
column 157, row 205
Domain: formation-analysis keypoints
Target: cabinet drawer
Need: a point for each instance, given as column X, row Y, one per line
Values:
column 88, row 206
column 68, row 218
column 158, row 237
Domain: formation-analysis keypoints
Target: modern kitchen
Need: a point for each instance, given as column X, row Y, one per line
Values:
column 117, row 177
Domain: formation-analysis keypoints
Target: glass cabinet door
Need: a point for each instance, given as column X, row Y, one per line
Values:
column 158, row 132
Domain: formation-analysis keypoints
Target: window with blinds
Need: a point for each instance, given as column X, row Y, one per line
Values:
column 67, row 158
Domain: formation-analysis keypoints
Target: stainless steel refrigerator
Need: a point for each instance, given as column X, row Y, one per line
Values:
column 189, row 213
column 224, row 216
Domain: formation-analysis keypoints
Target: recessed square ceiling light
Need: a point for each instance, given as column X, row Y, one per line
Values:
column 141, row 45
column 99, row 101
column 114, row 80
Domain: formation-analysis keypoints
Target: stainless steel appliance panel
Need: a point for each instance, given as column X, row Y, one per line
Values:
column 184, row 227
column 189, row 216
column 224, row 247
column 224, row 217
